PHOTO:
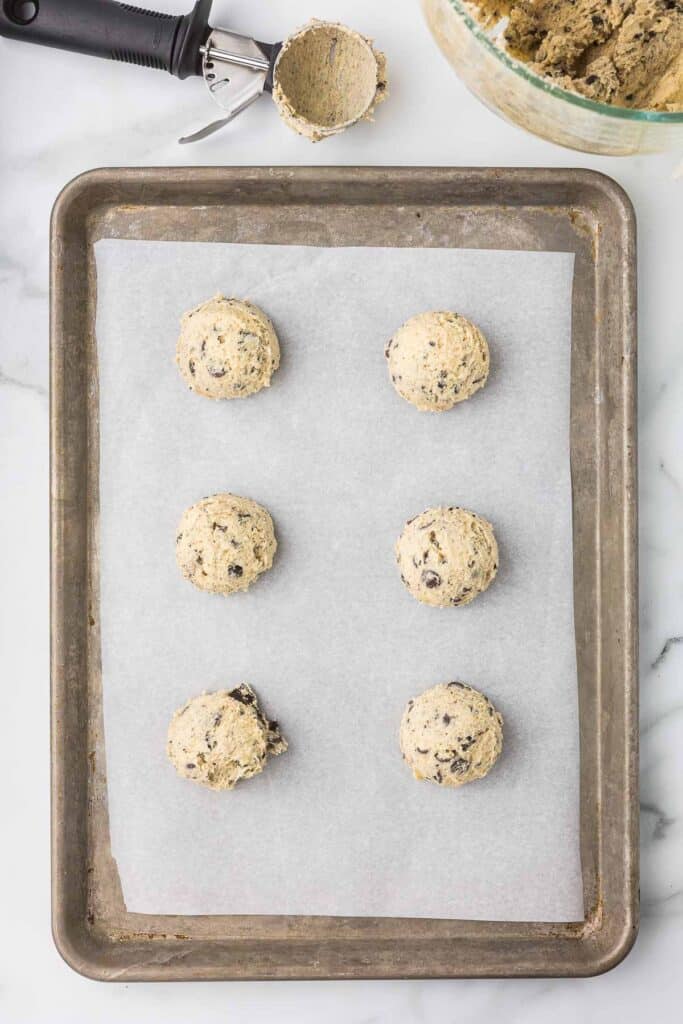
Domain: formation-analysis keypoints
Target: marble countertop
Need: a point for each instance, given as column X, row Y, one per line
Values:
column 60, row 115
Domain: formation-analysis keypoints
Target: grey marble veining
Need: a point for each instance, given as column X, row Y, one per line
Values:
column 60, row 115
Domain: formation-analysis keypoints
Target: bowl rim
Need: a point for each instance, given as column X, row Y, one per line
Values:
column 576, row 99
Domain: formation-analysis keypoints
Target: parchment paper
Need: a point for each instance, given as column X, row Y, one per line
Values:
column 329, row 638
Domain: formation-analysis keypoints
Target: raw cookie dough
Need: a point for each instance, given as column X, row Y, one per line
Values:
column 327, row 77
column 219, row 738
column 437, row 359
column 447, row 556
column 625, row 52
column 224, row 542
column 227, row 349
column 451, row 734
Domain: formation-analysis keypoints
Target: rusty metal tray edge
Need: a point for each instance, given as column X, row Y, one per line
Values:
column 575, row 209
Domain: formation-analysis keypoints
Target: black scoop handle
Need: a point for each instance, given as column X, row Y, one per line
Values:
column 118, row 31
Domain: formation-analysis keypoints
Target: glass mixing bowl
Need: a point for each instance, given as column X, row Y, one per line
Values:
column 512, row 90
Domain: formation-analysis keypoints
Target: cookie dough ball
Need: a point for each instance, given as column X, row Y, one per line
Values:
column 451, row 735
column 447, row 556
column 326, row 78
column 219, row 738
column 224, row 542
column 227, row 349
column 437, row 359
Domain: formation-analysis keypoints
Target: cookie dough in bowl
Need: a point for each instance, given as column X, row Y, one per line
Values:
column 227, row 348
column 628, row 53
column 326, row 78
column 217, row 739
column 447, row 556
column 224, row 543
column 451, row 735
column 437, row 359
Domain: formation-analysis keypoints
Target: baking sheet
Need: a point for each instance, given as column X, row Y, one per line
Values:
column 330, row 639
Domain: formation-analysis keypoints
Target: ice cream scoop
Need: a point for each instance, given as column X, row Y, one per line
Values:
column 324, row 77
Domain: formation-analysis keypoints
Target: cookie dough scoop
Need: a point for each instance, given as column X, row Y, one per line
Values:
column 219, row 738
column 324, row 77
column 447, row 556
column 451, row 735
column 227, row 348
column 224, row 543
column 437, row 359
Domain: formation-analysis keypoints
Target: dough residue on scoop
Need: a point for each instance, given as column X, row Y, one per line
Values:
column 224, row 543
column 217, row 739
column 447, row 556
column 326, row 78
column 437, row 359
column 227, row 348
column 451, row 735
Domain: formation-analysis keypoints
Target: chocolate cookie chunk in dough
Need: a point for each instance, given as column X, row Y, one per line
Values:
column 219, row 738
column 447, row 556
column 437, row 360
column 451, row 734
column 326, row 78
column 227, row 349
column 224, row 543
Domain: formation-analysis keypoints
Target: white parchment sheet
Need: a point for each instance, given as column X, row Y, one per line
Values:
column 329, row 638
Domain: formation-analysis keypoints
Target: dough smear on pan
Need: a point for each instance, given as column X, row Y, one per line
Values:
column 451, row 734
column 437, row 359
column 227, row 349
column 326, row 78
column 224, row 543
column 447, row 556
column 219, row 738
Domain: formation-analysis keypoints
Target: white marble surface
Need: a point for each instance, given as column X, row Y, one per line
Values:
column 60, row 115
